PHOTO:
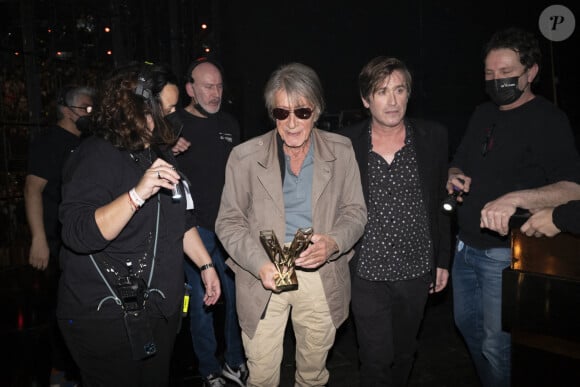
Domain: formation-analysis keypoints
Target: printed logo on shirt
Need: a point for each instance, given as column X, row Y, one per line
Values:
column 226, row 137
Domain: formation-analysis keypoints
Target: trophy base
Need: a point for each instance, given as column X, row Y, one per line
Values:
column 286, row 288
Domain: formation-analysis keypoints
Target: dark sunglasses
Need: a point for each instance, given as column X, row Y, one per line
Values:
column 88, row 109
column 488, row 141
column 282, row 114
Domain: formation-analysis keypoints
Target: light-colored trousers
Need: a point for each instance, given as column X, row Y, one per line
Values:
column 313, row 329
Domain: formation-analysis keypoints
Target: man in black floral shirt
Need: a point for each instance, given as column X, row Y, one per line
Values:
column 404, row 253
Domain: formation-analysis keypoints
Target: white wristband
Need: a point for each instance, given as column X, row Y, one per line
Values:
column 136, row 198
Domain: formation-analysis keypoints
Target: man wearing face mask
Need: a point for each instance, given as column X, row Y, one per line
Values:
column 518, row 152
column 46, row 158
column 207, row 137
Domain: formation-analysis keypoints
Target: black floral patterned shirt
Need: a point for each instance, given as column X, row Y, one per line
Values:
column 396, row 244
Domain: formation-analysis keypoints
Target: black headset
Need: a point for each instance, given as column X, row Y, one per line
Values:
column 63, row 93
column 143, row 89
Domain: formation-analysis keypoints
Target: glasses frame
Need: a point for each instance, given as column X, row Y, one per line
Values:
column 88, row 109
column 303, row 113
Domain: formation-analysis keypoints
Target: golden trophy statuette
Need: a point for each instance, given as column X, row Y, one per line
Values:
column 284, row 257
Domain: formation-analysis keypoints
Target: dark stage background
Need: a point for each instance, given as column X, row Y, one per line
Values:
column 440, row 41
column 45, row 44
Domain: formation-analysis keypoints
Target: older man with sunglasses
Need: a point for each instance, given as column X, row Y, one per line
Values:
column 295, row 176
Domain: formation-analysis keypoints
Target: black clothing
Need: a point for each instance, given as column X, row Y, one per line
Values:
column 212, row 140
column 387, row 316
column 118, row 368
column 396, row 244
column 94, row 176
column 388, row 311
column 432, row 152
column 92, row 323
column 530, row 146
column 46, row 157
column 567, row 217
column 204, row 163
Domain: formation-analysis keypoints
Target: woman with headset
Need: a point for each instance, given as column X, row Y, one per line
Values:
column 125, row 233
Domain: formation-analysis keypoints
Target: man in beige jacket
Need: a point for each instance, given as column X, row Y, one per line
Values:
column 292, row 177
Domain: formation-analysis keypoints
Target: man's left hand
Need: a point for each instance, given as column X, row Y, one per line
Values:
column 320, row 249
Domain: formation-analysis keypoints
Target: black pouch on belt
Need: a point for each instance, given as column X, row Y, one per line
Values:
column 133, row 294
column 140, row 334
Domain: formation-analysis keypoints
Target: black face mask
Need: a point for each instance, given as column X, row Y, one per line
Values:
column 84, row 124
column 203, row 112
column 174, row 121
column 503, row 91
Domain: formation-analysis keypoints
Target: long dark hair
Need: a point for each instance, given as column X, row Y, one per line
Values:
column 127, row 96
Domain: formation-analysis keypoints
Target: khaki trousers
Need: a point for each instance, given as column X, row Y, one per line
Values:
column 313, row 329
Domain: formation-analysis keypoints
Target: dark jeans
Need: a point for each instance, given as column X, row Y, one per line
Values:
column 477, row 296
column 101, row 349
column 387, row 317
column 201, row 317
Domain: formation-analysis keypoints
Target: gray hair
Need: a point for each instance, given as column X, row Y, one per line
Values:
column 68, row 96
column 298, row 81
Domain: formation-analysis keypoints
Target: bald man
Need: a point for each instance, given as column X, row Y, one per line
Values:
column 207, row 137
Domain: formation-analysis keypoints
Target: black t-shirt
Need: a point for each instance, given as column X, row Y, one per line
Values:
column 95, row 175
column 46, row 157
column 529, row 147
column 204, row 163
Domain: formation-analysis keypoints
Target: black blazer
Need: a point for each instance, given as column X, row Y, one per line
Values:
column 430, row 139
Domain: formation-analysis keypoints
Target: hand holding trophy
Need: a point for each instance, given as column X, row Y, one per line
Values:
column 284, row 257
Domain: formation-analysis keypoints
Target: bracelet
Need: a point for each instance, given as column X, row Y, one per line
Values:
column 136, row 198
column 206, row 266
column 133, row 205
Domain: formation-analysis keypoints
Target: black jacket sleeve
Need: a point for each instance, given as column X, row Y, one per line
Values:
column 567, row 217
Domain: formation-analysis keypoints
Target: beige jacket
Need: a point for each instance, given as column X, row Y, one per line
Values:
column 252, row 201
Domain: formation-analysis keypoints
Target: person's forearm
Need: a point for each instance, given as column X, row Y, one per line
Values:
column 195, row 249
column 113, row 217
column 34, row 212
column 548, row 196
